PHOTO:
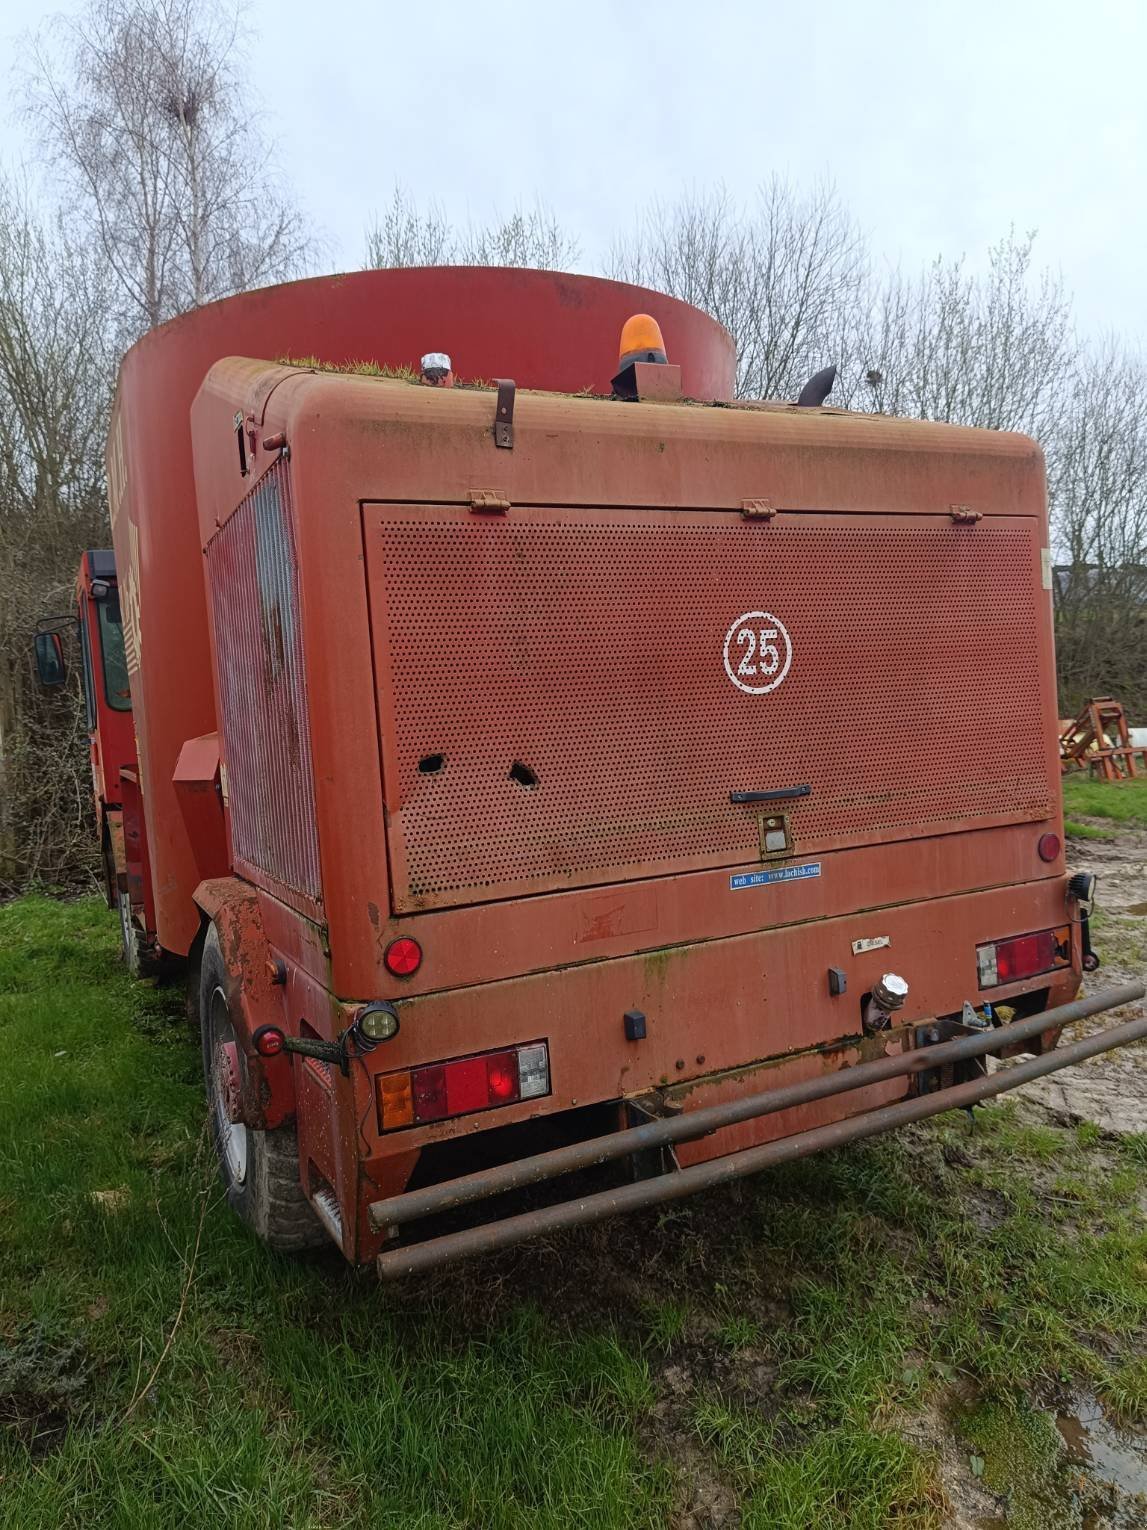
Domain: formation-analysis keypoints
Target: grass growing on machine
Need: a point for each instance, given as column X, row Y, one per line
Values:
column 762, row 1356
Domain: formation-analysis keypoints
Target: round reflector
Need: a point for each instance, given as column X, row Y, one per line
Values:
column 1048, row 847
column 268, row 1041
column 403, row 956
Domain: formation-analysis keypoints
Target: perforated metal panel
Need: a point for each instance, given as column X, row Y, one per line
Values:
column 589, row 647
column 262, row 691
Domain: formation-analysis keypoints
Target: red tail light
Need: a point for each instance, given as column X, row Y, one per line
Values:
column 1023, row 956
column 429, row 1093
column 502, row 1077
column 418, row 1096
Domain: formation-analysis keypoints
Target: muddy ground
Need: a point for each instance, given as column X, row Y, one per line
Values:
column 1110, row 1091
column 1100, row 1480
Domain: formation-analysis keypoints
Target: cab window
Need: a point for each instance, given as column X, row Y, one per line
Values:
column 116, row 687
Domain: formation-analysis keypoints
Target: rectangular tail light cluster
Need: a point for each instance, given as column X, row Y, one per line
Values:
column 1023, row 956
column 462, row 1085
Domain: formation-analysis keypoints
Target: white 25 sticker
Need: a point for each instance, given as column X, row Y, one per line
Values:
column 758, row 652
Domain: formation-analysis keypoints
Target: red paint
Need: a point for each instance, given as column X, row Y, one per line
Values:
column 543, row 329
column 579, row 626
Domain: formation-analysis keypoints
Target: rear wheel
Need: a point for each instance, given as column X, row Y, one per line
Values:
column 129, row 937
column 142, row 960
column 260, row 1169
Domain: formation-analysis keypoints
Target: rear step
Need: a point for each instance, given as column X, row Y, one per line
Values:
column 395, row 1263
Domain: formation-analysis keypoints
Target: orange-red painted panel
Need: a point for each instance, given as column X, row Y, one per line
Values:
column 542, row 328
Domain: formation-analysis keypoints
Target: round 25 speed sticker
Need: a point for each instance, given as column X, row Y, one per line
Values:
column 758, row 652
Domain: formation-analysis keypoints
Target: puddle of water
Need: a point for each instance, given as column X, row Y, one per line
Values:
column 1136, row 908
column 1091, row 1440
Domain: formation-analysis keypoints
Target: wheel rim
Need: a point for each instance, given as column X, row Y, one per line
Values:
column 127, row 933
column 231, row 1135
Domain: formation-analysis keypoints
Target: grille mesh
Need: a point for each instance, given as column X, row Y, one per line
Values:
column 263, row 701
column 590, row 649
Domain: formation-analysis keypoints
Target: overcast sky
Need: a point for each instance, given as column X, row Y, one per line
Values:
column 941, row 124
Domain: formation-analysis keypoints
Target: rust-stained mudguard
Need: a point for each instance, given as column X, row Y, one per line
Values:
column 232, row 906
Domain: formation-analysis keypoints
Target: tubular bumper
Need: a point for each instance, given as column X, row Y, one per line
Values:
column 389, row 1214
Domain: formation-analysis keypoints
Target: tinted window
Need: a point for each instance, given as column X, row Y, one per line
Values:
column 116, row 686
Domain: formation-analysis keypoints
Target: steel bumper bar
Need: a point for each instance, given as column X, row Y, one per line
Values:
column 389, row 1214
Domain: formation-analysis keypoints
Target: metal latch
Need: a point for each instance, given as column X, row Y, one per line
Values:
column 504, row 413
column 488, row 501
column 775, row 836
column 964, row 515
column 758, row 509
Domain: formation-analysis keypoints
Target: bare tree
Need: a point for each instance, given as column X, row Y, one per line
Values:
column 56, row 364
column 408, row 236
column 526, row 238
column 1098, row 480
column 142, row 107
column 996, row 349
column 787, row 276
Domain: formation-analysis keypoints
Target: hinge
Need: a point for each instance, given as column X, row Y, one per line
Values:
column 964, row 515
column 504, row 413
column 488, row 501
column 758, row 509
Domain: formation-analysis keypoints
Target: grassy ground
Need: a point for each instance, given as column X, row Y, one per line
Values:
column 1121, row 802
column 843, row 1344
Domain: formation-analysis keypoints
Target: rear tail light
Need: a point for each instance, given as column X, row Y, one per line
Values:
column 1023, row 956
column 418, row 1096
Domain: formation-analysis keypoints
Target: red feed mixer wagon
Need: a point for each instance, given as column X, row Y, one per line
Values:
column 584, row 772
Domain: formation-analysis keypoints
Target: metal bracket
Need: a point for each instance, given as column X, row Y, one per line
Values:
column 651, row 1163
column 964, row 515
column 758, row 509
column 938, row 1031
column 488, row 502
column 504, row 413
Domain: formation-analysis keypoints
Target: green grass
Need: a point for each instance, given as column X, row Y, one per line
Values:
column 1121, row 801
column 350, row 368
column 775, row 1338
column 1076, row 830
column 1021, row 1457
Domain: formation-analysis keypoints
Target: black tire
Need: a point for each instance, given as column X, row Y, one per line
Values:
column 260, row 1169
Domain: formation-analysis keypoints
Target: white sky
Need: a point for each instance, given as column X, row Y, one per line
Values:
column 941, row 124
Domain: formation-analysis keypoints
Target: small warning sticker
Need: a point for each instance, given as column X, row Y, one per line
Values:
column 777, row 874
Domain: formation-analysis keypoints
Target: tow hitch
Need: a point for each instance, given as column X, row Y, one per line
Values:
column 950, row 1028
